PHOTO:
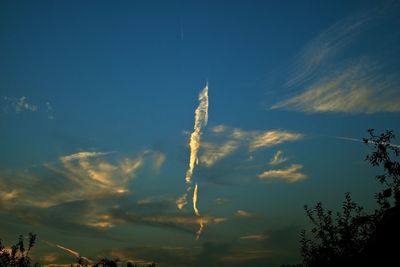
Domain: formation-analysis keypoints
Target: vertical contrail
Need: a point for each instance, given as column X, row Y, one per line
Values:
column 196, row 211
column 200, row 121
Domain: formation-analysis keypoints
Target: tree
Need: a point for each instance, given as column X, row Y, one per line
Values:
column 383, row 155
column 350, row 236
column 17, row 255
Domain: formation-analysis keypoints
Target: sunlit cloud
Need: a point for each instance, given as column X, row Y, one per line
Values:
column 49, row 258
column 234, row 138
column 333, row 78
column 243, row 214
column 196, row 211
column 82, row 155
column 183, row 223
column 272, row 138
column 291, row 174
column 213, row 153
column 325, row 46
column 181, row 201
column 278, row 158
column 100, row 221
column 254, row 237
column 80, row 176
column 359, row 88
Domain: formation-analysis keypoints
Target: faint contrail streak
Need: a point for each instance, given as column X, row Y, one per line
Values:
column 362, row 141
column 70, row 251
column 76, row 254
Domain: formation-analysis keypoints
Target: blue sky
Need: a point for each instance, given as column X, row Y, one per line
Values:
column 97, row 114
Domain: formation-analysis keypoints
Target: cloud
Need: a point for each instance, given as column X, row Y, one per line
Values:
column 324, row 47
column 49, row 258
column 254, row 237
column 180, row 222
column 360, row 88
column 200, row 120
column 19, row 105
column 80, row 176
column 272, row 138
column 337, row 72
column 49, row 111
column 213, row 153
column 278, row 158
column 290, row 174
column 234, row 138
column 243, row 214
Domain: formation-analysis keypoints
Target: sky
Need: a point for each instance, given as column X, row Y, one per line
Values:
column 188, row 133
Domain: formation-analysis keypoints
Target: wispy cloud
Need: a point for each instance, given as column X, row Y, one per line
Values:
column 19, row 105
column 181, row 222
column 272, row 138
column 253, row 140
column 81, row 176
column 291, row 174
column 243, row 214
column 336, row 72
column 278, row 158
column 324, row 47
column 213, row 152
column 358, row 89
column 49, row 111
column 11, row 104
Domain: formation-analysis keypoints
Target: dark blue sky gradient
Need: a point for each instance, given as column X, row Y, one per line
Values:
column 122, row 78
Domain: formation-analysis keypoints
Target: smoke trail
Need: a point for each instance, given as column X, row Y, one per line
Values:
column 198, row 233
column 200, row 120
column 196, row 211
column 195, row 201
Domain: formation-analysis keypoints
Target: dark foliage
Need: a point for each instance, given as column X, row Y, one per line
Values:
column 347, row 238
column 383, row 155
column 18, row 254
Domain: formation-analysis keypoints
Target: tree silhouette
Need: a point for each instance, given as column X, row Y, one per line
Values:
column 383, row 155
column 353, row 237
column 17, row 255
